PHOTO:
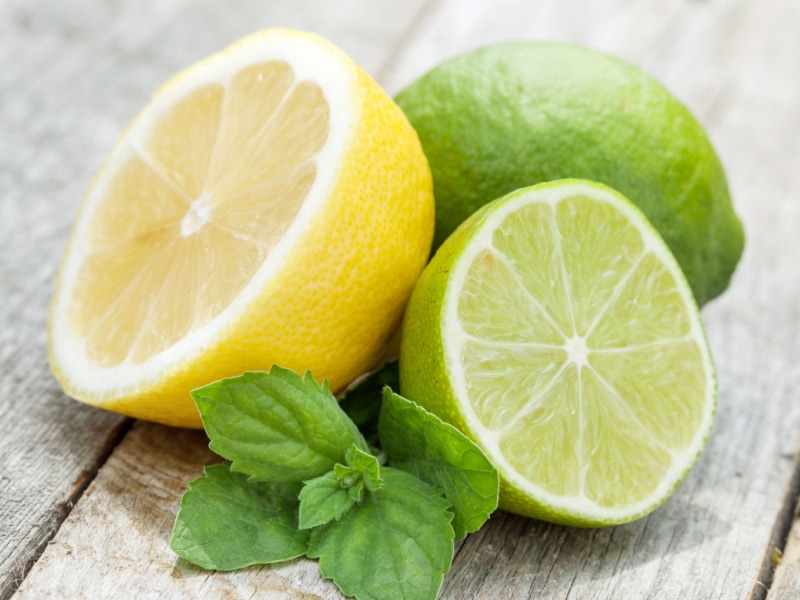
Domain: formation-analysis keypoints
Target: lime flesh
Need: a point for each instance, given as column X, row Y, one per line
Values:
column 557, row 330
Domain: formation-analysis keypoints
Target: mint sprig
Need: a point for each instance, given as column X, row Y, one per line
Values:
column 332, row 495
column 360, row 471
column 303, row 481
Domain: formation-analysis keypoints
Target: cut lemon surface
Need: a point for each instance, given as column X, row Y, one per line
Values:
column 555, row 328
column 270, row 205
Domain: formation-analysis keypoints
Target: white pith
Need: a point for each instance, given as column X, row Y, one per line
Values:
column 453, row 338
column 310, row 61
column 197, row 215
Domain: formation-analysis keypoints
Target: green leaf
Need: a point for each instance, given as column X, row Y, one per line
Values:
column 398, row 543
column 324, row 499
column 226, row 522
column 328, row 497
column 422, row 444
column 360, row 466
column 276, row 426
column 362, row 403
column 357, row 491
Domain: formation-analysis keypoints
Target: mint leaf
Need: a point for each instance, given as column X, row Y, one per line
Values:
column 360, row 466
column 226, row 522
column 356, row 492
column 276, row 426
column 324, row 499
column 362, row 403
column 330, row 496
column 397, row 541
column 422, row 444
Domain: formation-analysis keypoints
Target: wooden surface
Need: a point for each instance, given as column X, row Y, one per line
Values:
column 87, row 498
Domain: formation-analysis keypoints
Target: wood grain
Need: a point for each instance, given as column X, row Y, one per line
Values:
column 786, row 584
column 50, row 447
column 115, row 543
column 733, row 62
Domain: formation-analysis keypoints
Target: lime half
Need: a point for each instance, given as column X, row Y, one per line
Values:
column 556, row 329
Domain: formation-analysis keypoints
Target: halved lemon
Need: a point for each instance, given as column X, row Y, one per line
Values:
column 556, row 329
column 270, row 205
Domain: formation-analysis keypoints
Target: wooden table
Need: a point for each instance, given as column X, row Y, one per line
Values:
column 88, row 498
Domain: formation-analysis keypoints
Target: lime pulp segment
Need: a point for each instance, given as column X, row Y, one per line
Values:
column 576, row 351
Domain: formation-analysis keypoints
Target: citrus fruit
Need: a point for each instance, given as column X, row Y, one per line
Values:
column 270, row 205
column 515, row 114
column 556, row 329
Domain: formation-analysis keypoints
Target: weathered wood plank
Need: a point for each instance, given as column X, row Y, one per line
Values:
column 115, row 543
column 71, row 77
column 50, row 447
column 786, row 584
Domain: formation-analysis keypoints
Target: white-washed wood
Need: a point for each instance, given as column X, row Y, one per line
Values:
column 115, row 543
column 72, row 75
column 634, row 29
column 786, row 584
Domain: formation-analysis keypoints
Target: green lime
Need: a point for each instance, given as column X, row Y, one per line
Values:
column 556, row 330
column 515, row 114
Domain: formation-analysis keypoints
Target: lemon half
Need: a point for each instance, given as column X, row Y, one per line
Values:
column 270, row 205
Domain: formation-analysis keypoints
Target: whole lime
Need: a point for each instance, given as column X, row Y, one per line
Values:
column 516, row 114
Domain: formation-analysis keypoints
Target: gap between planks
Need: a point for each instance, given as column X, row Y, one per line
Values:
column 780, row 582
column 63, row 511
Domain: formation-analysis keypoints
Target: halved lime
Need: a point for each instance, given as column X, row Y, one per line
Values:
column 556, row 329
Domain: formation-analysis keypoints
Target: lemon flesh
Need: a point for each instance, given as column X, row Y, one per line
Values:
column 271, row 205
column 193, row 213
column 557, row 330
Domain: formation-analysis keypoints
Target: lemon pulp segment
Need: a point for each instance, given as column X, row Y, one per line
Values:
column 194, row 210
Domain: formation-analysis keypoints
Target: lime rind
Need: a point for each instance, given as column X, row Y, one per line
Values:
column 517, row 113
column 600, row 495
